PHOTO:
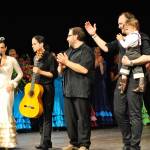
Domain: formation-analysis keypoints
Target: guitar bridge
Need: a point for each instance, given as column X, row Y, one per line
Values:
column 29, row 106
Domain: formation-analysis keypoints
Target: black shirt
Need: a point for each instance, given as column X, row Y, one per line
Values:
column 77, row 84
column 49, row 64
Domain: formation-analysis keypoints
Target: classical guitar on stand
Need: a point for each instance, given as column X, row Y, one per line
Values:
column 31, row 105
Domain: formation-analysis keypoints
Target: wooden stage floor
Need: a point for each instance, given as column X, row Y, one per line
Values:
column 101, row 139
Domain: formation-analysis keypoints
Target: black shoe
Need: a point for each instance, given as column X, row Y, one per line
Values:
column 38, row 146
column 43, row 147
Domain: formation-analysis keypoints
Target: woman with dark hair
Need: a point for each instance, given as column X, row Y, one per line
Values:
column 46, row 71
column 7, row 86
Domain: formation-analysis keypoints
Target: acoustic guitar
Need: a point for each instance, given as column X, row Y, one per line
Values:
column 31, row 105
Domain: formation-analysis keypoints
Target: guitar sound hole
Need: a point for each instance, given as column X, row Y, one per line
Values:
column 31, row 93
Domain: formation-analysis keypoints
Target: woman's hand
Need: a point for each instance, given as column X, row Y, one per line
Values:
column 36, row 70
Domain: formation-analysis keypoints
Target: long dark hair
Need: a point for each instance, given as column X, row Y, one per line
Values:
column 41, row 39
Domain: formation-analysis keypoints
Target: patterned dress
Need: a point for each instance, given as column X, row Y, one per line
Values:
column 58, row 111
column 7, row 122
column 100, row 102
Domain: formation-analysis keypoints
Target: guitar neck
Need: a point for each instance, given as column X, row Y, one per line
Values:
column 33, row 76
column 33, row 82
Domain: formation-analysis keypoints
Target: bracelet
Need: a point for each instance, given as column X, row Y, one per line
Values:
column 94, row 36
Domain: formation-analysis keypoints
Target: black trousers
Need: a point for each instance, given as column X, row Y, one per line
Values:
column 128, row 113
column 77, row 115
column 45, row 121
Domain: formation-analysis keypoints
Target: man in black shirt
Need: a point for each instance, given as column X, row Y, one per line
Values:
column 77, row 65
column 128, row 106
